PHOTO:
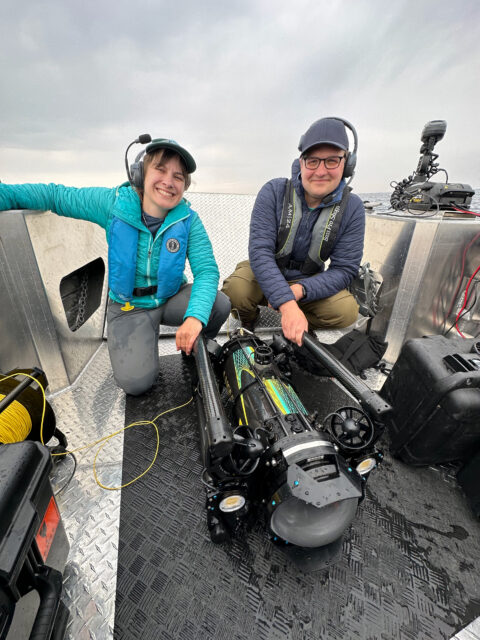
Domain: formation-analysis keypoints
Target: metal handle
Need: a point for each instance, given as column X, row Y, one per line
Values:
column 14, row 393
column 218, row 428
column 48, row 583
column 369, row 399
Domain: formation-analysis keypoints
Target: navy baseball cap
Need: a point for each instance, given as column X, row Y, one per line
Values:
column 165, row 143
column 324, row 131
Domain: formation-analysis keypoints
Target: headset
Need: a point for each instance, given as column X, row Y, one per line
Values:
column 351, row 156
column 135, row 170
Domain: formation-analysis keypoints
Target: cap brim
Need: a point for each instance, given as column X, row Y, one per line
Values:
column 330, row 142
column 183, row 153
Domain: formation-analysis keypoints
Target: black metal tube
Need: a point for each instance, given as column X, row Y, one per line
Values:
column 219, row 432
column 14, row 393
column 202, row 431
column 369, row 399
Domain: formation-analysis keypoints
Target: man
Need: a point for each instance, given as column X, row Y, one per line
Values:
column 295, row 227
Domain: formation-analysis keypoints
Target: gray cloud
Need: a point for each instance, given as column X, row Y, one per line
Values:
column 236, row 82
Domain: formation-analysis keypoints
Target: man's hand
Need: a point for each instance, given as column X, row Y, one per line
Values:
column 294, row 322
column 297, row 291
column 187, row 334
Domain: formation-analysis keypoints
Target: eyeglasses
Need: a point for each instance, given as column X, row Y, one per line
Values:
column 332, row 162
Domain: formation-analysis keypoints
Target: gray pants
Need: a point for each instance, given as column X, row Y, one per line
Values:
column 133, row 337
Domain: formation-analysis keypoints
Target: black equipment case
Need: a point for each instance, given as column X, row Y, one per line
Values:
column 33, row 546
column 434, row 391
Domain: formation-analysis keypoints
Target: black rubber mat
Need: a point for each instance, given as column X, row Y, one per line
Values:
column 409, row 565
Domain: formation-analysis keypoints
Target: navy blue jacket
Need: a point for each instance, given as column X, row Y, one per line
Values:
column 345, row 256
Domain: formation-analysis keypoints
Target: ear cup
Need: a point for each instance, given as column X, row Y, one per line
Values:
column 350, row 162
column 351, row 156
column 136, row 171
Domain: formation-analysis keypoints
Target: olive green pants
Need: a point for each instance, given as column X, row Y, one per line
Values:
column 340, row 310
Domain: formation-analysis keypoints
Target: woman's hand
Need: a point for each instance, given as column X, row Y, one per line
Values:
column 187, row 333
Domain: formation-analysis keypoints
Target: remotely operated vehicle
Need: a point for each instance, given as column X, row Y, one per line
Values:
column 418, row 193
column 265, row 455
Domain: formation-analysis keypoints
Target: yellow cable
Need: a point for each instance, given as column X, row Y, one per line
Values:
column 15, row 423
column 234, row 309
column 104, row 439
column 135, row 424
column 27, row 375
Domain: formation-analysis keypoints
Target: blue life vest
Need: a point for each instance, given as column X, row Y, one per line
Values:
column 122, row 258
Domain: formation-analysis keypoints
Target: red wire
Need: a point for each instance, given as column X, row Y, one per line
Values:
column 465, row 300
column 473, row 213
column 461, row 276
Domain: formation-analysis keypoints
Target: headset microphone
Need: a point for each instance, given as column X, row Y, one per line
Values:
column 144, row 138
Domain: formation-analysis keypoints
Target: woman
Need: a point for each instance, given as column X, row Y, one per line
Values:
column 151, row 231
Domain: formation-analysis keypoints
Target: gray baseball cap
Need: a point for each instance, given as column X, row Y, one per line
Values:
column 165, row 143
column 324, row 131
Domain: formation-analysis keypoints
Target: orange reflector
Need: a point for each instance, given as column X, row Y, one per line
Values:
column 48, row 528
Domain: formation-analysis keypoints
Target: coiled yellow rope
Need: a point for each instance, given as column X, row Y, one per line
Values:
column 15, row 421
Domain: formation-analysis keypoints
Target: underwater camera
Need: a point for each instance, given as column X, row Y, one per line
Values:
column 265, row 455
column 417, row 192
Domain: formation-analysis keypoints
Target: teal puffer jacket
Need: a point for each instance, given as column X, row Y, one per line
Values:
column 100, row 205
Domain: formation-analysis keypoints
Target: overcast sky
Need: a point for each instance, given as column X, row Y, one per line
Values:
column 236, row 82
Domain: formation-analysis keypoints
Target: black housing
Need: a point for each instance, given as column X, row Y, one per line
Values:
column 33, row 546
column 434, row 391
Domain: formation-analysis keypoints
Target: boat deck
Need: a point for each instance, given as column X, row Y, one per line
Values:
column 142, row 564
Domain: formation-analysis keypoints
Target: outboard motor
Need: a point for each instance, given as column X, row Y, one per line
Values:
column 417, row 192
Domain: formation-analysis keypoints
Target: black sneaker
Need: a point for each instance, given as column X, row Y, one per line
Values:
column 249, row 325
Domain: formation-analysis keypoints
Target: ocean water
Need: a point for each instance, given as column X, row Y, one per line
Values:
column 384, row 199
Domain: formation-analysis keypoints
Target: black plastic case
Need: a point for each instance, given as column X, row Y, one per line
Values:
column 469, row 479
column 433, row 388
column 33, row 546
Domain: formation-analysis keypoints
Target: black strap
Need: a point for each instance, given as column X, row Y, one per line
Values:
column 294, row 265
column 333, row 225
column 138, row 292
column 287, row 214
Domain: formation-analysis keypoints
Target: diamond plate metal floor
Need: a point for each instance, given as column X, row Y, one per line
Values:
column 91, row 409
column 409, row 567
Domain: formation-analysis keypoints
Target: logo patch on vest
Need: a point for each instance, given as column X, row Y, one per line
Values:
column 173, row 245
